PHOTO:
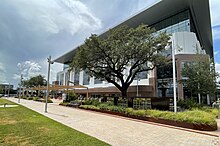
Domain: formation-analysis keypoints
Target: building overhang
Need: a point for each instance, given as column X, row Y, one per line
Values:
column 199, row 10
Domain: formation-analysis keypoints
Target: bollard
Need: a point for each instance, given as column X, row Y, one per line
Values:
column 5, row 104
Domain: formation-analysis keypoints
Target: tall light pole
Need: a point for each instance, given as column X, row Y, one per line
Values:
column 8, row 89
column 48, row 82
column 174, row 75
column 20, row 89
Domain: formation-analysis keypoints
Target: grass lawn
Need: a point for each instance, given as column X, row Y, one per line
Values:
column 24, row 127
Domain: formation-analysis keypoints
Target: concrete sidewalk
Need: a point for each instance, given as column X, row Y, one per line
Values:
column 120, row 131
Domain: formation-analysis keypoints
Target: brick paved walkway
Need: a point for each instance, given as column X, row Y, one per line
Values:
column 120, row 131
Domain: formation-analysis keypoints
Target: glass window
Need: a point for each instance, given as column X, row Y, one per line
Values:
column 141, row 75
column 76, row 77
column 61, row 79
column 97, row 81
column 86, row 78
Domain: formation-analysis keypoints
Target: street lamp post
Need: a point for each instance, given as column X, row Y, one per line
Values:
column 9, row 90
column 174, row 76
column 20, row 89
column 48, row 77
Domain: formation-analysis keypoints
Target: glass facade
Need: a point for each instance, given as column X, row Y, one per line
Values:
column 76, row 77
column 177, row 23
column 180, row 22
column 86, row 78
column 61, row 79
column 141, row 75
column 97, row 81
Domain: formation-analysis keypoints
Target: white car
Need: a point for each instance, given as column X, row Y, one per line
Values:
column 5, row 95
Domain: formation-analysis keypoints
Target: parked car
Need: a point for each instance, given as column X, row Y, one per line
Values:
column 5, row 95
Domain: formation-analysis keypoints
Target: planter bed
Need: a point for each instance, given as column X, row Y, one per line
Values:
column 201, row 127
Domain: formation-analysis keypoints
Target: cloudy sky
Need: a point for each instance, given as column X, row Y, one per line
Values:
column 31, row 30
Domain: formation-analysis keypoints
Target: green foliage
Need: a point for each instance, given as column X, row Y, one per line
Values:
column 203, row 115
column 72, row 96
column 35, row 98
column 91, row 102
column 188, row 104
column 64, row 103
column 35, row 81
column 106, row 58
column 89, row 107
column 201, row 76
column 22, row 126
column 29, row 98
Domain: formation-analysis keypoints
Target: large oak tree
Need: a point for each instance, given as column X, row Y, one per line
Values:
column 119, row 56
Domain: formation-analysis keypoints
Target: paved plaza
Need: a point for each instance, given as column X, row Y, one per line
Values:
column 119, row 131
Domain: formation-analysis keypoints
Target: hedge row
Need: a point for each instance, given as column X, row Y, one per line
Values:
column 196, row 116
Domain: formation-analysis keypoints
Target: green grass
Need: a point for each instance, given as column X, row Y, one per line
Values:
column 22, row 126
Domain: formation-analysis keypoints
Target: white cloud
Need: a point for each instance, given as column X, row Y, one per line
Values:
column 28, row 69
column 215, row 14
column 216, row 33
column 53, row 16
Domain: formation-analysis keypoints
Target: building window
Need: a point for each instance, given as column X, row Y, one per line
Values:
column 61, row 79
column 141, row 75
column 177, row 23
column 98, row 81
column 86, row 78
column 76, row 77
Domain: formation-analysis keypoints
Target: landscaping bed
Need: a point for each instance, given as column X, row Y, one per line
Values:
column 196, row 119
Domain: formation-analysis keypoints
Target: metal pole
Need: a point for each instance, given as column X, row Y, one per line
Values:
column 20, row 90
column 174, row 76
column 48, row 77
column 8, row 89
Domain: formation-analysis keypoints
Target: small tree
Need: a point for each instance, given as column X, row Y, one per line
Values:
column 35, row 81
column 121, row 55
column 200, row 76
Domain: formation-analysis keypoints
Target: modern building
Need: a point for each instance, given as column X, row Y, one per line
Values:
column 188, row 23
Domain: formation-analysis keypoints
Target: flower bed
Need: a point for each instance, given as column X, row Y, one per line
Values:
column 194, row 119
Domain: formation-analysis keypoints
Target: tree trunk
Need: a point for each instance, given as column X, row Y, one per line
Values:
column 115, row 101
column 130, row 102
column 130, row 99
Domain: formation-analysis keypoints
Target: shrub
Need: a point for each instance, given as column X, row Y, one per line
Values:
column 188, row 104
column 138, row 113
column 129, row 111
column 89, row 107
column 72, row 96
column 29, row 98
column 35, row 98
column 104, row 106
column 87, row 102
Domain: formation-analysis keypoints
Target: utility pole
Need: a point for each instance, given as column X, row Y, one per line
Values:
column 8, row 90
column 48, row 77
column 174, row 75
column 20, row 89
